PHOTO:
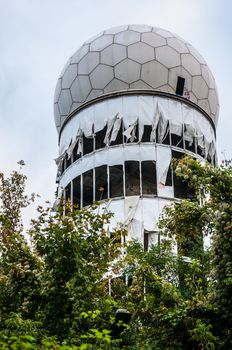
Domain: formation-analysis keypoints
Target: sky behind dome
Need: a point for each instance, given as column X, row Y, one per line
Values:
column 38, row 36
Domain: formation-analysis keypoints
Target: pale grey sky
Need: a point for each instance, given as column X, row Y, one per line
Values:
column 38, row 36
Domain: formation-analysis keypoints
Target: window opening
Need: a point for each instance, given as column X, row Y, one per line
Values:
column 87, row 145
column 181, row 188
column 87, row 188
column 77, row 191
column 132, row 178
column 145, row 240
column 177, row 140
column 99, row 138
column 68, row 192
column 147, row 129
column 169, row 176
column 101, row 185
column 68, row 161
column 75, row 155
column 180, row 86
column 148, row 171
column 116, row 181
column 135, row 132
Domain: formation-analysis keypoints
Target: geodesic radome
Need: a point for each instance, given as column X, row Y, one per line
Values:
column 132, row 57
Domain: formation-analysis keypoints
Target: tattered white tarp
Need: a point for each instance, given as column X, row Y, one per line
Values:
column 139, row 110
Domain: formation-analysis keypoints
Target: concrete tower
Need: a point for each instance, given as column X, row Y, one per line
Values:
column 126, row 103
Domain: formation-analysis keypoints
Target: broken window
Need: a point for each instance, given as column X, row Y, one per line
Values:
column 145, row 240
column 77, row 191
column 68, row 161
column 163, row 133
column 116, row 181
column 99, row 138
column 87, row 187
column 181, row 188
column 75, row 151
column 68, row 192
column 148, row 171
column 132, row 178
column 87, row 145
column 132, row 133
column 168, row 181
column 101, row 186
column 147, row 129
column 177, row 140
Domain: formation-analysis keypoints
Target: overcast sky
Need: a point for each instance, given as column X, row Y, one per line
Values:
column 38, row 36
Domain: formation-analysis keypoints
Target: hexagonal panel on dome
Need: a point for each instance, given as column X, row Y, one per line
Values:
column 80, row 88
column 88, row 63
column 79, row 54
column 101, row 76
column 116, row 85
column 213, row 101
column 127, row 71
column 168, row 56
column 154, row 73
column 191, row 64
column 199, row 87
column 69, row 76
column 162, row 32
column 57, row 90
column 101, row 43
column 141, row 52
column 141, row 28
column 126, row 38
column 196, row 54
column 65, row 101
column 153, row 39
column 140, row 84
column 204, row 104
column 113, row 54
column 178, row 45
column 94, row 93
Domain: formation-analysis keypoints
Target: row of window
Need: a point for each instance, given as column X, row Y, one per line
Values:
column 133, row 178
column 90, row 144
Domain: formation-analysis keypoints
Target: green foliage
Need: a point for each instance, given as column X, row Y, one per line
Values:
column 62, row 290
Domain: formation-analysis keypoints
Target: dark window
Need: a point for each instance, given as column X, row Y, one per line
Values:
column 181, row 188
column 87, row 145
column 75, row 155
column 146, row 133
column 101, row 188
column 177, row 140
column 148, row 170
column 88, row 188
column 77, row 191
column 99, row 138
column 136, row 139
column 145, row 241
column 68, row 191
column 180, row 86
column 169, row 176
column 68, row 161
column 119, row 138
column 116, row 181
column 132, row 178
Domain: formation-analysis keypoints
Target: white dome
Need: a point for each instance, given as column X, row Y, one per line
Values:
column 134, row 57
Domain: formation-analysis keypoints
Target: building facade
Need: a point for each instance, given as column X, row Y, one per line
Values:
column 126, row 103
